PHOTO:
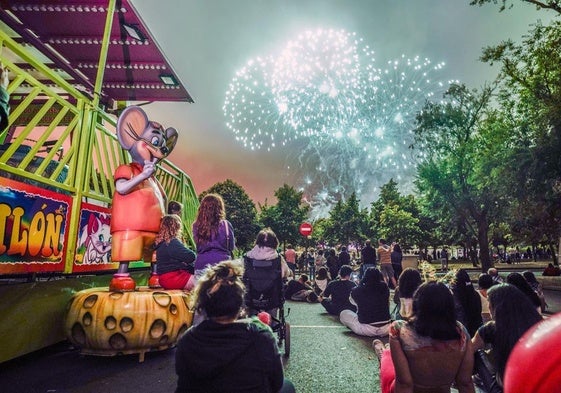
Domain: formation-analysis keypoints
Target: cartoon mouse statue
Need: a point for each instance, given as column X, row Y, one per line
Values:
column 139, row 200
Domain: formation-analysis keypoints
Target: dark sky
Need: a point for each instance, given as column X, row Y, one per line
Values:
column 208, row 40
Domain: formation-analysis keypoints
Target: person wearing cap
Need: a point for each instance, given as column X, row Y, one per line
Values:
column 335, row 298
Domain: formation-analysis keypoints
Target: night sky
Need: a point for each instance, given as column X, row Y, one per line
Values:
column 208, row 41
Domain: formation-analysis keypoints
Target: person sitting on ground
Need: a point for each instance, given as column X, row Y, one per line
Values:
column 537, row 287
column 484, row 282
column 494, row 273
column 224, row 351
column 513, row 314
column 520, row 282
column 430, row 351
column 551, row 270
column 265, row 249
column 532, row 366
column 335, row 298
column 371, row 298
column 300, row 290
column 408, row 282
column 290, row 256
column 321, row 281
column 467, row 302
column 174, row 261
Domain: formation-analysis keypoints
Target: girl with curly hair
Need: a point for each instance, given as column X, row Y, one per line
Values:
column 174, row 260
column 223, row 351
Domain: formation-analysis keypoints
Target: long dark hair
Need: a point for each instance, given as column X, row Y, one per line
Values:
column 513, row 314
column 469, row 300
column 373, row 278
column 409, row 281
column 520, row 282
column 209, row 215
column 434, row 313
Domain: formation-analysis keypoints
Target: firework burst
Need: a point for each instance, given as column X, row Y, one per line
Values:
column 347, row 124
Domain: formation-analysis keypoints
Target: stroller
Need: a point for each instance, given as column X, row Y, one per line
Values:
column 265, row 292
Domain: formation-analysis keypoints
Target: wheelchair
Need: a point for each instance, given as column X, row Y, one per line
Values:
column 265, row 292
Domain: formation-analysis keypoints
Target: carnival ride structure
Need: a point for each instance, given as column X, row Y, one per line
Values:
column 73, row 66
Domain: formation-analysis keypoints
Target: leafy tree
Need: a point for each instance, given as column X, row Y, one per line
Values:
column 531, row 92
column 449, row 135
column 286, row 216
column 240, row 211
column 399, row 225
column 554, row 5
column 347, row 222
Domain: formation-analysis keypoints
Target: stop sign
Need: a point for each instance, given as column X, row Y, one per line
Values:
column 306, row 229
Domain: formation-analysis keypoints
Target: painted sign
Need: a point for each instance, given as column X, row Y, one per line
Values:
column 93, row 249
column 33, row 228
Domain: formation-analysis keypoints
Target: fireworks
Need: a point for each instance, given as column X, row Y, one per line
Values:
column 349, row 122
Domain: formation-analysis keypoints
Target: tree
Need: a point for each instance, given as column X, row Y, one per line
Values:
column 395, row 217
column 240, row 211
column 531, row 91
column 449, row 136
column 347, row 222
column 554, row 5
column 286, row 216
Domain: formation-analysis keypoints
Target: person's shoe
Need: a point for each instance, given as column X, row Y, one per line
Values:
column 378, row 347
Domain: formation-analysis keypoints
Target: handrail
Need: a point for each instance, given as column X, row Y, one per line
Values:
column 66, row 143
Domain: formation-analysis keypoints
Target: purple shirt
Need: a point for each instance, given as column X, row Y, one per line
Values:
column 216, row 250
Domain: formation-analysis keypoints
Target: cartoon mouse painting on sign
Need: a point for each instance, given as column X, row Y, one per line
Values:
column 139, row 200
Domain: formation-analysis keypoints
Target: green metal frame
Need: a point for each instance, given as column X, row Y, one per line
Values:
column 77, row 152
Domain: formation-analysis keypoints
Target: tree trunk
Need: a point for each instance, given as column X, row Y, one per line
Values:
column 483, row 239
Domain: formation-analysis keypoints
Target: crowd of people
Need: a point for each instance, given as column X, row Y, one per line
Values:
column 439, row 334
column 458, row 332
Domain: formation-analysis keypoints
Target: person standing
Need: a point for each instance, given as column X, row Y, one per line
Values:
column 384, row 253
column 335, row 298
column 344, row 257
column 213, row 234
column 396, row 258
column 333, row 263
column 290, row 256
column 367, row 257
column 444, row 260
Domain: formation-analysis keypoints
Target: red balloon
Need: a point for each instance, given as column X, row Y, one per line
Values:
column 533, row 364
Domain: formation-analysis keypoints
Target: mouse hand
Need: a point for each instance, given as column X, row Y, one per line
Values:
column 149, row 168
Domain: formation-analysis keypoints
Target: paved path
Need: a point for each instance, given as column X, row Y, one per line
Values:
column 325, row 357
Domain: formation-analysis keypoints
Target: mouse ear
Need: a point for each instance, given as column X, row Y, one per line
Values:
column 171, row 139
column 130, row 125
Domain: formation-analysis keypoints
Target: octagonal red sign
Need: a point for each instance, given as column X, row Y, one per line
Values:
column 306, row 229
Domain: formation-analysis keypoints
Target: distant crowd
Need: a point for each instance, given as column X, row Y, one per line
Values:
column 444, row 332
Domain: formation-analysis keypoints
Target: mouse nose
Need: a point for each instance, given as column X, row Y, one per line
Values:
column 164, row 150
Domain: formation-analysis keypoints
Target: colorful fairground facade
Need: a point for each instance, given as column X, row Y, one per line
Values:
column 73, row 67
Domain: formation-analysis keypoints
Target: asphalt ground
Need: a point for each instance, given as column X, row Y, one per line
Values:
column 325, row 357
